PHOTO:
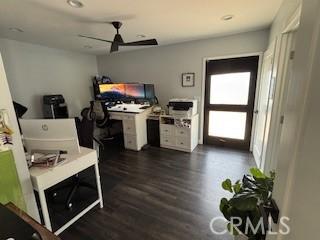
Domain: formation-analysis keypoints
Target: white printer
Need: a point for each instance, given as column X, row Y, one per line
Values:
column 180, row 107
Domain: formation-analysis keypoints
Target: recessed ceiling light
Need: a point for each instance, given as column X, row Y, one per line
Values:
column 16, row 29
column 141, row 36
column 75, row 3
column 87, row 46
column 227, row 17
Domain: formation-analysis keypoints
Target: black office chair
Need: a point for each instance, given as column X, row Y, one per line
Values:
column 85, row 129
column 103, row 121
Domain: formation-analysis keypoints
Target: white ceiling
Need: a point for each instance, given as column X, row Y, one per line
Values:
column 55, row 24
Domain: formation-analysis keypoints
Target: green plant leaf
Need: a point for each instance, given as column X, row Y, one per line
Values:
column 227, row 185
column 248, row 182
column 254, row 188
column 237, row 187
column 223, row 203
column 232, row 229
column 257, row 173
column 225, row 208
column 244, row 202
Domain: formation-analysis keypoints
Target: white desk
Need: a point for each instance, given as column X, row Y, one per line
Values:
column 134, row 120
column 128, row 108
column 44, row 178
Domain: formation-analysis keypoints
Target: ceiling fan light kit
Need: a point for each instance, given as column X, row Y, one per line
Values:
column 75, row 3
column 118, row 40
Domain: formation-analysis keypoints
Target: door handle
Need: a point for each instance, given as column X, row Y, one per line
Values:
column 256, row 112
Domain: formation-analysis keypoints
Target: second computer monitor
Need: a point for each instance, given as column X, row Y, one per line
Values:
column 135, row 90
column 149, row 91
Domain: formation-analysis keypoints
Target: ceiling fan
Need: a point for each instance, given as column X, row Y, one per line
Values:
column 118, row 41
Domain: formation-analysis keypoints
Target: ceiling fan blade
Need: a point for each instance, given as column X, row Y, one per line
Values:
column 147, row 42
column 114, row 47
column 99, row 39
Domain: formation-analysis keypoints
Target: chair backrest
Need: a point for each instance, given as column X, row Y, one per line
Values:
column 85, row 128
column 101, row 113
column 97, row 108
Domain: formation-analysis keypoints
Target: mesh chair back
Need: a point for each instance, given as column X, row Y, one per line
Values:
column 101, row 114
column 85, row 127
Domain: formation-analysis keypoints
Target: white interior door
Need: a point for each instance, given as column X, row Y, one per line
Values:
column 284, row 69
column 264, row 105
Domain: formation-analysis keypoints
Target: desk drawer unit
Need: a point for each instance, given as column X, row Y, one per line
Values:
column 134, row 128
column 179, row 134
column 128, row 117
column 167, row 140
column 183, row 142
column 182, row 132
column 166, row 129
column 129, row 127
column 130, row 141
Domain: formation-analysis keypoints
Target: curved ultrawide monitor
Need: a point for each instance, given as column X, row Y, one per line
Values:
column 112, row 91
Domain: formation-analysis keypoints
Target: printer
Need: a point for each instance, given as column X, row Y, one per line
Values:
column 183, row 107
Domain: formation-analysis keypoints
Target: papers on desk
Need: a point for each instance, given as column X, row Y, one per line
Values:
column 43, row 159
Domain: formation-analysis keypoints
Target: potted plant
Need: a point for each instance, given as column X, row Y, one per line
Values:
column 248, row 209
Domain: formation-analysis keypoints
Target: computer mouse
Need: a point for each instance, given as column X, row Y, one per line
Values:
column 124, row 109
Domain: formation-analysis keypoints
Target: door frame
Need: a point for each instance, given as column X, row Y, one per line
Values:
column 282, row 81
column 203, row 89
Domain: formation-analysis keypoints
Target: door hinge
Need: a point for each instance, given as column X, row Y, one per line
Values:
column 292, row 54
column 282, row 119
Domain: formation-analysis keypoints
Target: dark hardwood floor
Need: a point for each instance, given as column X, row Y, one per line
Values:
column 160, row 194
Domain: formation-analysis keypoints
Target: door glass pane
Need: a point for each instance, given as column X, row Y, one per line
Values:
column 227, row 124
column 230, row 88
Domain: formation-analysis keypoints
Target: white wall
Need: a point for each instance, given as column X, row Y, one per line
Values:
column 282, row 18
column 164, row 65
column 297, row 182
column 305, row 196
column 17, row 148
column 34, row 71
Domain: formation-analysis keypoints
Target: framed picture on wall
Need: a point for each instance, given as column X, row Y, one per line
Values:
column 188, row 79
